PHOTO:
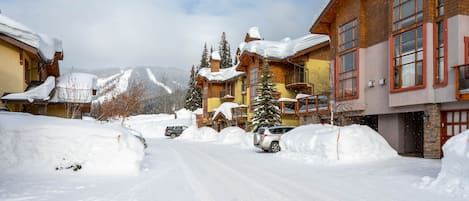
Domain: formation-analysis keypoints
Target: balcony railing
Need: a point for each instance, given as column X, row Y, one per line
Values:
column 462, row 81
column 239, row 112
column 306, row 105
column 297, row 79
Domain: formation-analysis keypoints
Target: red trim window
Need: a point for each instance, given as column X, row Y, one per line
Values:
column 441, row 49
column 407, row 13
column 348, row 61
column 408, row 59
column 408, row 46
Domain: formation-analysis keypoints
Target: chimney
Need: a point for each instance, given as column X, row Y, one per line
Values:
column 252, row 34
column 215, row 62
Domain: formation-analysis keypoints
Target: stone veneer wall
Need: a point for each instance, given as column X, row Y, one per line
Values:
column 431, row 131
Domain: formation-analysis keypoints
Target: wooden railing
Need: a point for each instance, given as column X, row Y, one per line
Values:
column 307, row 105
column 295, row 78
column 239, row 112
column 462, row 81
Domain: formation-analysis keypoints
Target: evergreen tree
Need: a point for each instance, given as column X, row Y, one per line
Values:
column 204, row 60
column 266, row 111
column 225, row 52
column 193, row 99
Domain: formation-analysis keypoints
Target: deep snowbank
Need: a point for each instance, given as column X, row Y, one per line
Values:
column 203, row 134
column 318, row 143
column 454, row 175
column 40, row 144
column 235, row 136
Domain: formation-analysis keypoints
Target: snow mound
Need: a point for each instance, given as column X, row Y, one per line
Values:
column 204, row 134
column 454, row 175
column 41, row 144
column 40, row 93
column 232, row 135
column 316, row 143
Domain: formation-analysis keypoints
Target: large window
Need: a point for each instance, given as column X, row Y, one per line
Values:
column 348, row 75
column 348, row 62
column 253, row 79
column 348, row 36
column 407, row 13
column 408, row 59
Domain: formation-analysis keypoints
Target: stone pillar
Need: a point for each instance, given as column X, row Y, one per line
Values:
column 431, row 131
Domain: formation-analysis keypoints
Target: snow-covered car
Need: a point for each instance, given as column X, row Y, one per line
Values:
column 174, row 131
column 268, row 139
column 139, row 136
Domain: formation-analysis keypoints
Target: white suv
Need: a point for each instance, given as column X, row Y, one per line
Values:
column 268, row 139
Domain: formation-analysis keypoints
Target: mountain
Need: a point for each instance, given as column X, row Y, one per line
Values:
column 164, row 88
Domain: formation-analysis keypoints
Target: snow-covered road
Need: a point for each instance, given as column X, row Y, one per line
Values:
column 179, row 170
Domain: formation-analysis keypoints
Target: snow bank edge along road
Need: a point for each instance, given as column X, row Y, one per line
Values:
column 42, row 144
column 319, row 144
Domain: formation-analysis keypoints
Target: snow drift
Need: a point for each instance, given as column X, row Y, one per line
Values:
column 454, row 175
column 316, row 143
column 198, row 134
column 42, row 144
column 232, row 135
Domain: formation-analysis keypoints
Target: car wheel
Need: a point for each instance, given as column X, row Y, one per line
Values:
column 274, row 147
column 173, row 135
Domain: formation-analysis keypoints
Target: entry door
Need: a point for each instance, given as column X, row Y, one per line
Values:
column 453, row 123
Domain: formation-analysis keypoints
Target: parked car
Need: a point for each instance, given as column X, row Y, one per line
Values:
column 174, row 131
column 267, row 138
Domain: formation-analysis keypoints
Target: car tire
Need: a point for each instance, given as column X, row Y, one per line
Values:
column 274, row 147
column 173, row 135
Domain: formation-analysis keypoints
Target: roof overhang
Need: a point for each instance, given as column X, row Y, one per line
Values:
column 322, row 23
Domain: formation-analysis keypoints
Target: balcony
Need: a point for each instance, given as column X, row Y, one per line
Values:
column 314, row 104
column 240, row 113
column 298, row 79
column 462, row 81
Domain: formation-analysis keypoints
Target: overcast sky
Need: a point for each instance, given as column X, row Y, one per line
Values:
column 167, row 33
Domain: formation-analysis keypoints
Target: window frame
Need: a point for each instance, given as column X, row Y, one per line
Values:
column 338, row 61
column 253, row 86
column 437, row 57
column 394, row 21
column 396, row 32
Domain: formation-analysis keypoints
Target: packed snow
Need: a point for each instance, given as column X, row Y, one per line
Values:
column 223, row 75
column 47, row 46
column 44, row 145
column 75, row 87
column 38, row 93
column 320, row 144
column 285, row 48
column 151, row 76
column 203, row 134
column 454, row 175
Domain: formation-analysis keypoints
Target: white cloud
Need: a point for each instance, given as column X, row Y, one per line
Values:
column 107, row 33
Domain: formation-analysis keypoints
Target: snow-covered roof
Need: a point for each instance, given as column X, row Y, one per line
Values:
column 223, row 75
column 215, row 56
column 225, row 109
column 46, row 46
column 299, row 96
column 284, row 48
column 75, row 88
column 41, row 92
column 254, row 33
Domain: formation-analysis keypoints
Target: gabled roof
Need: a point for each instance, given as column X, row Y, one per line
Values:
column 46, row 46
column 75, row 88
column 223, row 75
column 284, row 48
column 321, row 25
column 225, row 110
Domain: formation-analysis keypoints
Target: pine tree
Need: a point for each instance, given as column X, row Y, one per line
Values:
column 225, row 52
column 204, row 60
column 193, row 99
column 266, row 111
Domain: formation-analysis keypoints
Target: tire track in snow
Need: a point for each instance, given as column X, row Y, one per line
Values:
column 199, row 191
